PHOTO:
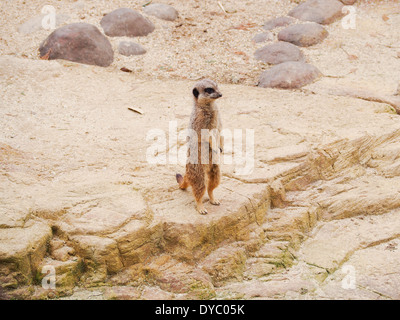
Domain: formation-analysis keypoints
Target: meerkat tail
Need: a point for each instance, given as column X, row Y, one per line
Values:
column 183, row 183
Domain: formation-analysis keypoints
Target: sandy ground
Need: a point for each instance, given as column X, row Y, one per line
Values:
column 205, row 41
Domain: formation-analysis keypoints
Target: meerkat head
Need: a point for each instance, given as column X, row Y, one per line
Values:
column 206, row 91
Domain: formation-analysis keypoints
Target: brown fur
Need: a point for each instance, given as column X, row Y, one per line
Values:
column 205, row 115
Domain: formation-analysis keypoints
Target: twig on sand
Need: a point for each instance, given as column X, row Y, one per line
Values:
column 147, row 3
column 221, row 6
column 137, row 110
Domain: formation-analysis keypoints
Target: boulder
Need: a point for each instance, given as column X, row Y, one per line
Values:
column 127, row 48
column 161, row 11
column 279, row 52
column 225, row 264
column 278, row 22
column 303, row 35
column 21, row 252
column 262, row 37
column 320, row 11
column 289, row 75
column 125, row 22
column 78, row 42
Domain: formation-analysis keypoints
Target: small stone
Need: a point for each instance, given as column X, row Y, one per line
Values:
column 122, row 293
column 279, row 52
column 78, row 42
column 130, row 49
column 155, row 293
column 319, row 11
column 262, row 37
column 278, row 22
column 289, row 75
column 125, row 22
column 303, row 35
column 63, row 254
column 161, row 11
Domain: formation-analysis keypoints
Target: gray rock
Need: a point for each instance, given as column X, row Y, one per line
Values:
column 130, row 49
column 262, row 37
column 78, row 42
column 278, row 22
column 279, row 52
column 319, row 11
column 125, row 22
column 289, row 75
column 35, row 24
column 161, row 11
column 303, row 35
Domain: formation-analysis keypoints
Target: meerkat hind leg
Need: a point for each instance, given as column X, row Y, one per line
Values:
column 199, row 189
column 214, row 177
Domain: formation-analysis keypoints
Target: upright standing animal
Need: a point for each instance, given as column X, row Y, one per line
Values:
column 205, row 144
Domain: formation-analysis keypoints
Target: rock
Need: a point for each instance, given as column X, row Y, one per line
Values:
column 262, row 37
column 122, row 293
column 155, row 293
column 102, row 252
column 78, row 42
column 278, row 194
column 21, row 252
column 138, row 241
column 130, row 49
column 67, row 272
column 319, row 11
column 63, row 254
column 35, row 24
column 268, row 289
column 279, row 52
column 224, row 264
column 303, row 35
column 161, row 11
column 337, row 240
column 278, row 22
column 181, row 278
column 289, row 75
column 125, row 22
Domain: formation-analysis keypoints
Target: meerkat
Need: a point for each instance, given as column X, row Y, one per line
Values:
column 205, row 145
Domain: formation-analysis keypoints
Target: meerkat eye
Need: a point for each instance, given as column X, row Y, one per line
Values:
column 209, row 90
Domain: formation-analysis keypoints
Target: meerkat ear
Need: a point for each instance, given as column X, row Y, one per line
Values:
column 196, row 93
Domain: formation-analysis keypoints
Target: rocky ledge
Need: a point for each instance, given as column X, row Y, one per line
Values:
column 79, row 197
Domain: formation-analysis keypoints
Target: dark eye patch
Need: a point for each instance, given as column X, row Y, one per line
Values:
column 209, row 90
